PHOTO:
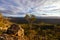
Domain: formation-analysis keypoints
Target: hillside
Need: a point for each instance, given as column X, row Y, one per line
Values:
column 21, row 29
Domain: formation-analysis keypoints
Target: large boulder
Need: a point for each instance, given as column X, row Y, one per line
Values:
column 13, row 29
column 16, row 31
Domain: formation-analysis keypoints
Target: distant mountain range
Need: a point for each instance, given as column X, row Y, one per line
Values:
column 21, row 20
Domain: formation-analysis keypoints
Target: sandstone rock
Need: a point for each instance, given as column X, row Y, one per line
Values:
column 14, row 32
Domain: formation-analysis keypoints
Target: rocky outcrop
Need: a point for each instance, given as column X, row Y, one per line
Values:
column 14, row 32
column 11, row 31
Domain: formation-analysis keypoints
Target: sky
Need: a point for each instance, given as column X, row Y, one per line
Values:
column 19, row 8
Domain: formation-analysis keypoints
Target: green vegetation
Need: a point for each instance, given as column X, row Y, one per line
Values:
column 40, row 32
column 34, row 31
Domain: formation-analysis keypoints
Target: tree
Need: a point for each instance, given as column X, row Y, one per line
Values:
column 30, row 18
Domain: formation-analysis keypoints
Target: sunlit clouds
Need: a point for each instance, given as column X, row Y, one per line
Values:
column 19, row 8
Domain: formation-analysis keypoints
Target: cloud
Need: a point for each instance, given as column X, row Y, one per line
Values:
column 48, row 8
column 36, row 7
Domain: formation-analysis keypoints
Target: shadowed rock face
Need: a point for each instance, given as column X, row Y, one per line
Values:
column 13, row 29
